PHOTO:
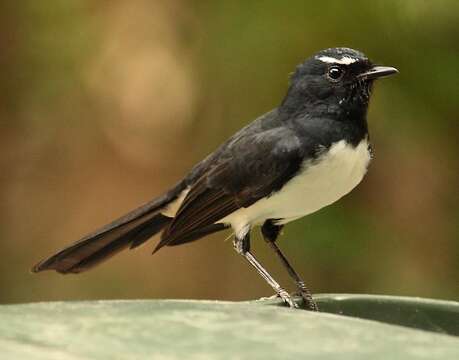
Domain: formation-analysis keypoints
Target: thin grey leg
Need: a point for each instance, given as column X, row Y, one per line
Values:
column 242, row 246
column 270, row 234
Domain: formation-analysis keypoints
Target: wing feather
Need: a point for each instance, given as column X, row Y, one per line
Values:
column 252, row 168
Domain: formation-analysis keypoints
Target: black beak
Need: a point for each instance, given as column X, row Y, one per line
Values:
column 377, row 71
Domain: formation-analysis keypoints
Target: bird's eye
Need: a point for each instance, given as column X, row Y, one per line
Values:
column 335, row 73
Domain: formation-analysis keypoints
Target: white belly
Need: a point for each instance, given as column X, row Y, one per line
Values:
column 319, row 184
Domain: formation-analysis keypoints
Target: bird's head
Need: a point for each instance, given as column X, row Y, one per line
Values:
column 335, row 82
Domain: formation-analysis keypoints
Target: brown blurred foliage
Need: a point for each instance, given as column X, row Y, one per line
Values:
column 105, row 104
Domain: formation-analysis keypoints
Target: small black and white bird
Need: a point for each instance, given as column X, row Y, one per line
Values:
column 290, row 162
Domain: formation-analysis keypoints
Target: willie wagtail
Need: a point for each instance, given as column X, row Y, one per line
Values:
column 290, row 162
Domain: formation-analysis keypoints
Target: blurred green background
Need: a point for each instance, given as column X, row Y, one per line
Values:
column 105, row 104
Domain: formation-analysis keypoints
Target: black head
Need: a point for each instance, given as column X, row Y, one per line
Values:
column 334, row 82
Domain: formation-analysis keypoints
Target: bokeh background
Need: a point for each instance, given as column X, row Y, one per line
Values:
column 105, row 104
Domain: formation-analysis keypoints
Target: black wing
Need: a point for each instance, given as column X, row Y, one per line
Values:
column 249, row 168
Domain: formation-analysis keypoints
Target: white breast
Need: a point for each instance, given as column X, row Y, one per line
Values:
column 327, row 179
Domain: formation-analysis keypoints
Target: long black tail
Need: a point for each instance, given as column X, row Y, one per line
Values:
column 129, row 231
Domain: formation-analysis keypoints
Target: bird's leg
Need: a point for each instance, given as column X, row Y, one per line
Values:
column 242, row 246
column 270, row 233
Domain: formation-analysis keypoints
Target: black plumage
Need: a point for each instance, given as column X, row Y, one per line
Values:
column 326, row 103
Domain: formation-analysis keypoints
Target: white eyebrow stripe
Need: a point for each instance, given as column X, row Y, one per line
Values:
column 345, row 60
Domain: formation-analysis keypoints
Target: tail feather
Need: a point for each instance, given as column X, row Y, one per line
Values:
column 133, row 238
column 143, row 233
column 91, row 251
column 129, row 231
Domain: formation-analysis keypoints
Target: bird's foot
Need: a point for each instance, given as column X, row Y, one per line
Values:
column 309, row 302
column 284, row 295
column 306, row 295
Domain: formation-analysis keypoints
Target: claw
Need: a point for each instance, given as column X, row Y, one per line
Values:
column 309, row 302
column 288, row 299
column 311, row 305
